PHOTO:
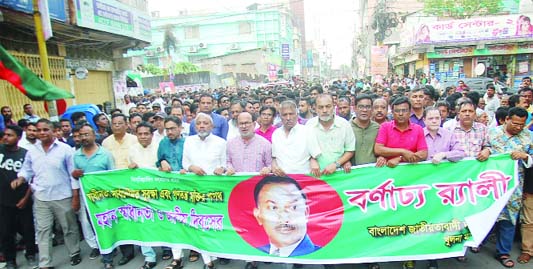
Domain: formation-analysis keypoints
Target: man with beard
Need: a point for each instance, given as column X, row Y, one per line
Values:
column 205, row 153
column 8, row 116
column 304, row 110
column 248, row 152
column 169, row 158
column 380, row 111
column 15, row 205
column 344, row 109
column 31, row 137
column 365, row 131
column 289, row 148
column 234, row 110
column 91, row 158
column 331, row 141
column 220, row 124
column 491, row 100
column 56, row 194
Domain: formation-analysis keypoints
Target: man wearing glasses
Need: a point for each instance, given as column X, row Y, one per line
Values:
column 365, row 131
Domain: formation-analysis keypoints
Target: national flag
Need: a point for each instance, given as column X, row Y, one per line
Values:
column 28, row 82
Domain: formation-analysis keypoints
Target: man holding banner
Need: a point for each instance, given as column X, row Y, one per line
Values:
column 91, row 158
column 511, row 138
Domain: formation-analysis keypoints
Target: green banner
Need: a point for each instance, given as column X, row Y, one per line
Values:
column 413, row 211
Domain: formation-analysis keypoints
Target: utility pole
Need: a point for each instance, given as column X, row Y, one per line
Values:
column 43, row 53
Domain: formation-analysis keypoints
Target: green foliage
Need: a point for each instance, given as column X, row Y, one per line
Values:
column 177, row 68
column 461, row 9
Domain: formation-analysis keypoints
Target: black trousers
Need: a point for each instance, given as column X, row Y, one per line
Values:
column 12, row 220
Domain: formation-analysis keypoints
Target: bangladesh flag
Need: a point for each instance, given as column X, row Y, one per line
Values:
column 26, row 81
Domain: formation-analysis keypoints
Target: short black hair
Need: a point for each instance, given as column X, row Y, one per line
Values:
column 271, row 108
column 119, row 115
column 517, row 111
column 275, row 180
column 76, row 116
column 501, row 113
column 173, row 119
column 144, row 124
column 362, row 97
column 148, row 115
column 18, row 131
column 399, row 101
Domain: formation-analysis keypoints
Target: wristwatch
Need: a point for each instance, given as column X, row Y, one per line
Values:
column 338, row 164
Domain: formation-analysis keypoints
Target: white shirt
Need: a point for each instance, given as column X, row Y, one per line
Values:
column 233, row 130
column 290, row 151
column 185, row 126
column 25, row 144
column 450, row 124
column 208, row 154
column 143, row 157
column 158, row 137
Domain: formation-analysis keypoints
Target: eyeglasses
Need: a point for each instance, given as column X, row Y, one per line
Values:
column 401, row 111
column 248, row 123
column 364, row 107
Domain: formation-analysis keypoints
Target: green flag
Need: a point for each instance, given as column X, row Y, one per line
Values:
column 26, row 81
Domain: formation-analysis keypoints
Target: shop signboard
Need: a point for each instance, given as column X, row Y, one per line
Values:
column 501, row 49
column 56, row 9
column 477, row 29
column 113, row 17
column 379, row 61
column 285, row 52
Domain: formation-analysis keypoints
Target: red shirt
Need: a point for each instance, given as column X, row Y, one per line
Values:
column 267, row 134
column 411, row 139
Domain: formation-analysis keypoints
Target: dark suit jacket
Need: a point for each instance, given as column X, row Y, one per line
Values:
column 306, row 246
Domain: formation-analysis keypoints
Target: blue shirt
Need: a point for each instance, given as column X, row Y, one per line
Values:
column 2, row 124
column 172, row 152
column 101, row 160
column 51, row 171
column 220, row 129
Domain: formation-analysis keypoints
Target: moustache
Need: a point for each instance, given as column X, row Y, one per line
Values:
column 285, row 227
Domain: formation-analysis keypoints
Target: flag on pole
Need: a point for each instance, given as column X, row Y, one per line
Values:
column 26, row 81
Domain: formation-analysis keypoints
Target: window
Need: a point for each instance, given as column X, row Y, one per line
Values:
column 245, row 28
column 192, row 32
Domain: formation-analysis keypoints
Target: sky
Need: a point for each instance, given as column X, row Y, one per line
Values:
column 333, row 24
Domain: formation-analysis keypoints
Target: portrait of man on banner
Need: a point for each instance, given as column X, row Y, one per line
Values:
column 281, row 209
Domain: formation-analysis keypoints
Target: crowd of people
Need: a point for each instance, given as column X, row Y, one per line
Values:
column 314, row 130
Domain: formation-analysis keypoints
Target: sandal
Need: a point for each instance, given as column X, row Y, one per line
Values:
column 194, row 256
column 175, row 264
column 524, row 258
column 505, row 260
column 475, row 249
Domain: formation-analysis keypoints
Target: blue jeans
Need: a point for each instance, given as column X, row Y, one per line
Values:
column 506, row 231
column 107, row 258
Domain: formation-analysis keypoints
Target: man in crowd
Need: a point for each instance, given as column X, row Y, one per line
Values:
column 491, row 100
column 305, row 111
column 220, row 125
column 185, row 127
column 400, row 141
column 159, row 127
column 30, row 140
column 380, row 111
column 7, row 113
column 365, row 131
column 514, row 139
column 331, row 141
column 144, row 155
column 56, row 193
column 441, row 143
column 134, row 120
column 290, row 154
column 169, row 158
column 234, row 110
column 91, row 158
column 15, row 205
column 204, row 153
column 119, row 144
column 248, row 152
column 471, row 135
column 344, row 109
column 416, row 98
column 266, row 122
column 28, row 113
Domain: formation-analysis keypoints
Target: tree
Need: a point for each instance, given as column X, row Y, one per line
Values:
column 177, row 68
column 462, row 9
